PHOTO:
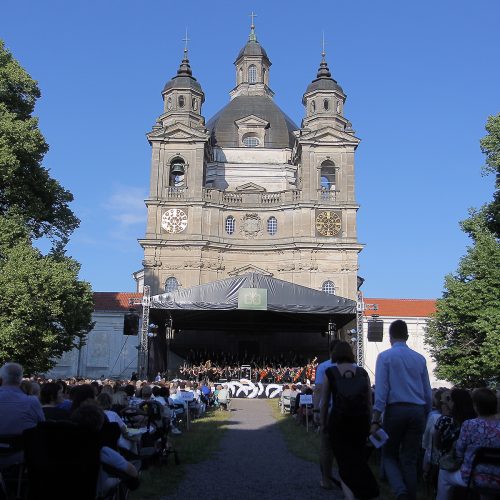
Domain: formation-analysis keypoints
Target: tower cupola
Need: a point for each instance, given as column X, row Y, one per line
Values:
column 183, row 96
column 324, row 97
column 252, row 68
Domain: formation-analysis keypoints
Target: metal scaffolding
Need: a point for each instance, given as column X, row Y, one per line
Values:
column 360, row 343
column 143, row 349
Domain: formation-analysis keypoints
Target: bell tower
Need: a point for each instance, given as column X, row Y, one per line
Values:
column 179, row 147
column 327, row 145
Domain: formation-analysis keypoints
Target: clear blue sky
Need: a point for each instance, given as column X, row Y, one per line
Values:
column 421, row 79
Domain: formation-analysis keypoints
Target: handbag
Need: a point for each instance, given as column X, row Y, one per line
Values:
column 449, row 461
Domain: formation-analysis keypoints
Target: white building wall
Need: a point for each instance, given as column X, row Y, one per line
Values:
column 106, row 352
column 416, row 329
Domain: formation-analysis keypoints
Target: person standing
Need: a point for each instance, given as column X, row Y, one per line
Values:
column 348, row 422
column 403, row 395
column 326, row 451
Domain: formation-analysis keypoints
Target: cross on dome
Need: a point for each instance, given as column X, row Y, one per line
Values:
column 252, row 37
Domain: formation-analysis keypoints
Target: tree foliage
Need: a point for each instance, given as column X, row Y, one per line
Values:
column 44, row 308
column 490, row 146
column 26, row 187
column 464, row 335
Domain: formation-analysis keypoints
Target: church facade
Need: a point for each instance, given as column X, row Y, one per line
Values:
column 249, row 190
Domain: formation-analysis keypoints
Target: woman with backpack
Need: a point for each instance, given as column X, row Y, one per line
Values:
column 347, row 390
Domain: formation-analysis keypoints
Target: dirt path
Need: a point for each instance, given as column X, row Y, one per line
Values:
column 252, row 462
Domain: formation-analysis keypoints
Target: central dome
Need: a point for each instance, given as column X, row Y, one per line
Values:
column 279, row 133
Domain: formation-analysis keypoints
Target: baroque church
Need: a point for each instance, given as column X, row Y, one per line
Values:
column 247, row 193
column 249, row 190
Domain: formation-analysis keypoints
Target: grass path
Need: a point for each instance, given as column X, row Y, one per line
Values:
column 194, row 446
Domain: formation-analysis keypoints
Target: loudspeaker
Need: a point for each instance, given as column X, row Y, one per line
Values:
column 131, row 324
column 375, row 330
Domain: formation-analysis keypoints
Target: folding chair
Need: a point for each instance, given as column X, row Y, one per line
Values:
column 11, row 460
column 62, row 461
column 285, row 404
column 484, row 456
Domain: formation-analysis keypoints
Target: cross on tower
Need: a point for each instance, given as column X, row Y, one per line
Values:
column 186, row 40
column 323, row 45
column 252, row 15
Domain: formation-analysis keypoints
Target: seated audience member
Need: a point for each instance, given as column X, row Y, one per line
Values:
column 92, row 417
column 30, row 388
column 104, row 401
column 66, row 402
column 475, row 433
column 223, row 397
column 431, row 453
column 19, row 411
column 81, row 394
column 51, row 397
column 456, row 408
column 119, row 400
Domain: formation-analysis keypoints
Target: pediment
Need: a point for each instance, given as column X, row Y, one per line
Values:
column 178, row 131
column 250, row 187
column 250, row 268
column 251, row 121
column 328, row 134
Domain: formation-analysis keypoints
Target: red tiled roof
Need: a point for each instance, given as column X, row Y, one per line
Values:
column 409, row 308
column 114, row 301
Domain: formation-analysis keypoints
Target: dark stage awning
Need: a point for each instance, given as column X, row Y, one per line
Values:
column 288, row 306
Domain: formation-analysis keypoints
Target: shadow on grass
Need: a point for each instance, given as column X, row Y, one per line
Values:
column 193, row 446
column 306, row 445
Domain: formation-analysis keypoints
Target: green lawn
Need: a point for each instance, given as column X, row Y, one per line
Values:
column 306, row 445
column 194, row 446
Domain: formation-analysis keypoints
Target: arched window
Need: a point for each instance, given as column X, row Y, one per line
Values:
column 326, row 104
column 250, row 141
column 313, row 106
column 240, row 76
column 328, row 287
column 230, row 224
column 264, row 75
column 194, row 103
column 171, row 285
column 272, row 226
column 177, row 172
column 182, row 101
column 328, row 181
column 252, row 74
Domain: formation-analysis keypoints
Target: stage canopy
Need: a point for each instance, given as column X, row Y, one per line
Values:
column 253, row 301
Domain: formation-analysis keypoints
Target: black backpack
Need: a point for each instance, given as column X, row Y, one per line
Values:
column 350, row 393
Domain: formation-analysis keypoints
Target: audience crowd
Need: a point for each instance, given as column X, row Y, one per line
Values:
column 434, row 435
column 132, row 419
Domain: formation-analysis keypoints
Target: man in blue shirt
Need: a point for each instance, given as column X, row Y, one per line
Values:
column 403, row 395
column 19, row 411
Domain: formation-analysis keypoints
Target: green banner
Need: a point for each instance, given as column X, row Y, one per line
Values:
column 252, row 298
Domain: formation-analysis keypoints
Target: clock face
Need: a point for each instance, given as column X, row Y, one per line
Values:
column 174, row 220
column 328, row 223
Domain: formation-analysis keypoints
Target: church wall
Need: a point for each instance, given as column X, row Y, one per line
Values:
column 416, row 331
column 106, row 352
